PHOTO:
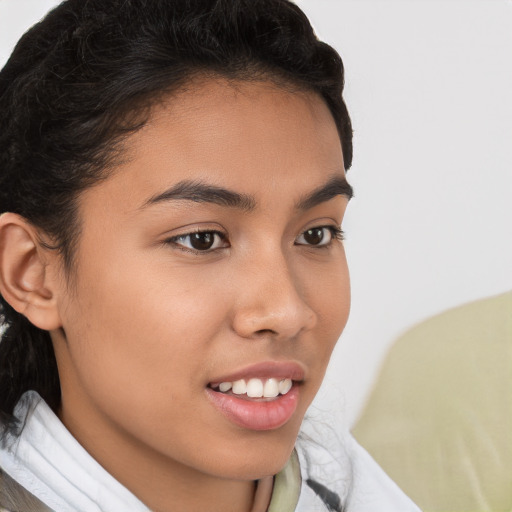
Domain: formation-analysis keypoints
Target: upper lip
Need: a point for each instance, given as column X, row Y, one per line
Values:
column 268, row 369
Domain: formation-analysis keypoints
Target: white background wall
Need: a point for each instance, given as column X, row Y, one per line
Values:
column 429, row 87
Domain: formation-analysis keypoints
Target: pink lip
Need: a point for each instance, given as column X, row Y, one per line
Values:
column 256, row 414
column 259, row 414
column 265, row 370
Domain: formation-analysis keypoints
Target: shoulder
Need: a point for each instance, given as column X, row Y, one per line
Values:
column 345, row 478
column 15, row 498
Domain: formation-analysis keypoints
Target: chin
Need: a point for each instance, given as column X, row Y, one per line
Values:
column 255, row 458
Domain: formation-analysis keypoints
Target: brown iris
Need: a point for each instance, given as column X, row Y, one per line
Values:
column 202, row 241
column 314, row 236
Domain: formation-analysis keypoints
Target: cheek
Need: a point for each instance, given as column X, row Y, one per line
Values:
column 337, row 302
column 140, row 356
column 147, row 328
column 327, row 292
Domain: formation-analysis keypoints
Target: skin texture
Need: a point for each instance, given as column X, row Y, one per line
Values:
column 144, row 324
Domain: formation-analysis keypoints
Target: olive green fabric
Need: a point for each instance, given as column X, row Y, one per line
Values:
column 439, row 420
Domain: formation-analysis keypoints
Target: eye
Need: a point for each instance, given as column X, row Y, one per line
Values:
column 201, row 241
column 319, row 236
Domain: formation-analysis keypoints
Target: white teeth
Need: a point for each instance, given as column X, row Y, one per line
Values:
column 255, row 388
column 271, row 388
column 239, row 387
column 225, row 386
column 284, row 386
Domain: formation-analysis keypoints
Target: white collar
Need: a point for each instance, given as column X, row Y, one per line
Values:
column 49, row 462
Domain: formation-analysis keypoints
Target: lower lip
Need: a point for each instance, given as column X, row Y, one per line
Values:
column 254, row 414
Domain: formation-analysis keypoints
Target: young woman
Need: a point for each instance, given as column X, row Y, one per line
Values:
column 172, row 275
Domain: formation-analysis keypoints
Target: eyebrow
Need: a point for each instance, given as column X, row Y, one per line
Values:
column 204, row 193
column 336, row 186
column 200, row 192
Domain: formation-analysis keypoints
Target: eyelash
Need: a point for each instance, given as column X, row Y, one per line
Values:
column 336, row 233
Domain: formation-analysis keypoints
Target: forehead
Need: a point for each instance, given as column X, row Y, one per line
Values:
column 242, row 135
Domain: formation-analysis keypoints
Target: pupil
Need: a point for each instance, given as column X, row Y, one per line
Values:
column 202, row 241
column 314, row 236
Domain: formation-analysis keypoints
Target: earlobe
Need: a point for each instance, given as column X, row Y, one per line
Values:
column 25, row 278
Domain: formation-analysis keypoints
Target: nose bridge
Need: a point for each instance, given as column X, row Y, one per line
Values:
column 273, row 302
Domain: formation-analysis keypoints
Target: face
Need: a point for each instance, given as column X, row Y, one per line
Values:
column 209, row 272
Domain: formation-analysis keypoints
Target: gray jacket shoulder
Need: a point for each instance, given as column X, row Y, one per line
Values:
column 15, row 498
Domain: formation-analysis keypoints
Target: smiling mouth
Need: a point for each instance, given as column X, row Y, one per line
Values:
column 243, row 401
column 260, row 397
column 254, row 388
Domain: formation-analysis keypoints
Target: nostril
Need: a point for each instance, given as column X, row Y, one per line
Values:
column 265, row 332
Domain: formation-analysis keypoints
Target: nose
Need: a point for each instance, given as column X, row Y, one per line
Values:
column 271, row 302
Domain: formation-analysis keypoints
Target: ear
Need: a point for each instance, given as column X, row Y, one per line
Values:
column 27, row 272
